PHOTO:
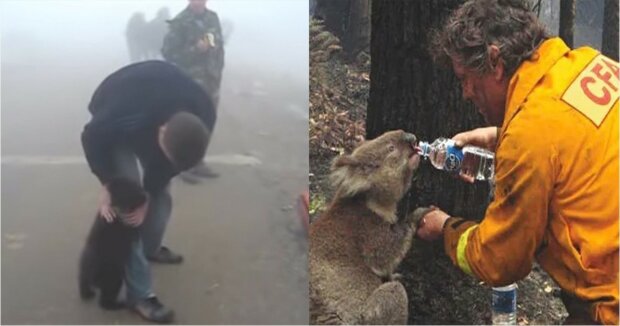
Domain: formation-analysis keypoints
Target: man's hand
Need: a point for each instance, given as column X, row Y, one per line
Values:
column 136, row 217
column 105, row 209
column 481, row 137
column 431, row 224
column 202, row 45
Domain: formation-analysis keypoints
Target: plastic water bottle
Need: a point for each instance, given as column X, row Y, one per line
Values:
column 504, row 305
column 471, row 161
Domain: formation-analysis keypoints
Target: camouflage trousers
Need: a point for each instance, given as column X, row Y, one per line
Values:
column 211, row 85
column 212, row 88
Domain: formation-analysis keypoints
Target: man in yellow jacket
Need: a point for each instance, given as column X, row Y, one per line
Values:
column 554, row 118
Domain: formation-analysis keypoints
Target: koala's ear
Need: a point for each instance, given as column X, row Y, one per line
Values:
column 346, row 178
column 344, row 160
column 340, row 169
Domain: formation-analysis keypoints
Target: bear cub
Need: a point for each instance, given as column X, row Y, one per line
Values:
column 103, row 259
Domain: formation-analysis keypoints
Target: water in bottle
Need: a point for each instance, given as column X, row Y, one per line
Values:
column 478, row 163
column 470, row 161
column 504, row 305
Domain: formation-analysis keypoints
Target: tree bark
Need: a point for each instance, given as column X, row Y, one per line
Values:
column 610, row 29
column 334, row 14
column 567, row 21
column 358, row 30
column 408, row 91
column 349, row 20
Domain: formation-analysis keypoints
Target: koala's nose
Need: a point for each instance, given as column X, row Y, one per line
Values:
column 410, row 138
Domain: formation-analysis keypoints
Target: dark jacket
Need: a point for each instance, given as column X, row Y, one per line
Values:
column 127, row 110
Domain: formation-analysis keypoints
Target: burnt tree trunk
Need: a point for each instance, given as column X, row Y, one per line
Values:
column 334, row 14
column 567, row 21
column 408, row 91
column 349, row 20
column 358, row 33
column 610, row 29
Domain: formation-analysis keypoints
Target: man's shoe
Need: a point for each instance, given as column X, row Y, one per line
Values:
column 165, row 256
column 189, row 178
column 203, row 171
column 152, row 310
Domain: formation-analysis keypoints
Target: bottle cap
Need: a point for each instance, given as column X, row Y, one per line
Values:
column 423, row 149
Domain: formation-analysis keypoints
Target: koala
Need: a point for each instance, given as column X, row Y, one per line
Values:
column 358, row 242
column 103, row 260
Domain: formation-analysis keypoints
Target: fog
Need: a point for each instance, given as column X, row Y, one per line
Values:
column 54, row 53
column 271, row 33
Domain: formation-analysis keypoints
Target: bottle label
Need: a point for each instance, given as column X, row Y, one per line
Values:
column 505, row 301
column 454, row 158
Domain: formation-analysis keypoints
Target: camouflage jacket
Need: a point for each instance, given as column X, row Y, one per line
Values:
column 185, row 30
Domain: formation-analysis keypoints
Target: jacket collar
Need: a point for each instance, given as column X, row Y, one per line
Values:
column 529, row 74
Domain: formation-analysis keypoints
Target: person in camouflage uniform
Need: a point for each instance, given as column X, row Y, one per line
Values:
column 194, row 42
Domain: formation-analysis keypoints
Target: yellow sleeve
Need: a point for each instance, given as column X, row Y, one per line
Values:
column 456, row 234
column 501, row 249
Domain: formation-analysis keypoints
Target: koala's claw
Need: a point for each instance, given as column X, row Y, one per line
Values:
column 396, row 277
column 415, row 216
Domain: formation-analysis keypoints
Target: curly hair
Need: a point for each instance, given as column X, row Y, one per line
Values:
column 511, row 25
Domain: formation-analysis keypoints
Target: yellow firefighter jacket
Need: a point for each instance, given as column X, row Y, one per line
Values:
column 556, row 186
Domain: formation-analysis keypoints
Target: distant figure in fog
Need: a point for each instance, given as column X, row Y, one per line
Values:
column 195, row 44
column 145, row 39
column 133, row 34
column 156, row 31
